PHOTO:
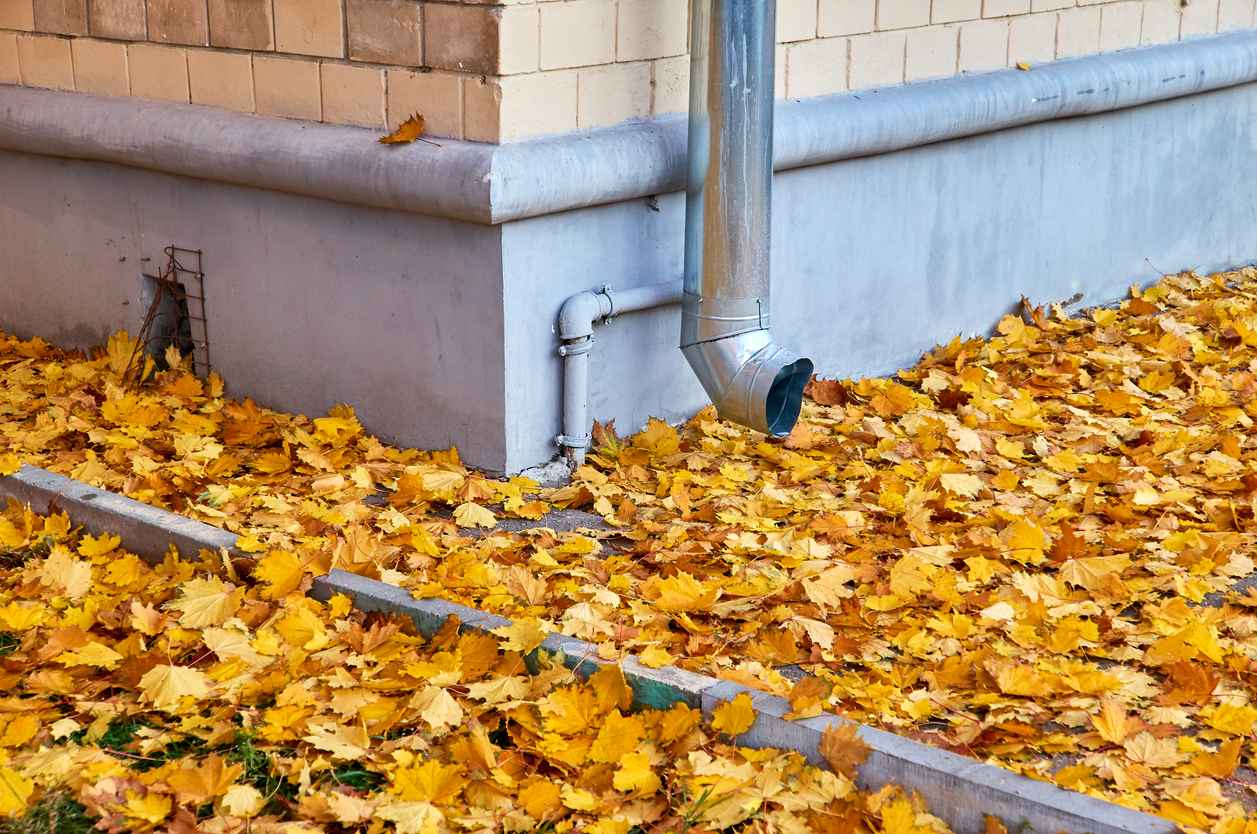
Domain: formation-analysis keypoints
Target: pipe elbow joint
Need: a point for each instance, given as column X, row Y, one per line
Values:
column 578, row 314
column 752, row 380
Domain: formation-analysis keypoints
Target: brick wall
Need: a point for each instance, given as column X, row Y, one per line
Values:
column 518, row 68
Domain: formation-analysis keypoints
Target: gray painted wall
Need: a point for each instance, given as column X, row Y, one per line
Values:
column 310, row 302
column 877, row 259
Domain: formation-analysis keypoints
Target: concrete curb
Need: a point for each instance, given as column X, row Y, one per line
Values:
column 959, row 790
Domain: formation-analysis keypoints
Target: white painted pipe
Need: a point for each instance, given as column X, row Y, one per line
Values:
column 577, row 318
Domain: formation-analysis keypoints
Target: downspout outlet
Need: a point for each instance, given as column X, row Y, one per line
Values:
column 752, row 380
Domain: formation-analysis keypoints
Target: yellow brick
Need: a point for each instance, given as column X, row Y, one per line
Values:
column 796, row 20
column 1032, row 39
column 877, row 60
column 1004, row 8
column 437, row 96
column 100, row 67
column 983, row 45
column 1050, row 5
column 651, row 29
column 1078, row 32
column 846, row 17
column 385, row 31
column 537, row 104
column 62, row 17
column 221, row 79
column 671, row 82
column 10, row 72
column 353, row 95
column 816, row 68
column 17, row 14
column 575, row 33
column 902, row 14
column 45, row 61
column 482, row 106
column 158, row 72
column 931, row 52
column 1235, row 14
column 178, row 21
column 287, row 87
column 612, row 94
column 1119, row 25
column 242, row 24
column 1161, row 22
column 1200, row 17
column 123, row 20
column 518, row 39
column 950, row 11
column 310, row 27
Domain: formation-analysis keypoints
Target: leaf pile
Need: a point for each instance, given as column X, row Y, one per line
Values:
column 182, row 698
column 1021, row 549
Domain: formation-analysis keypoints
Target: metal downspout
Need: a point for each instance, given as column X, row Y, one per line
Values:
column 725, row 312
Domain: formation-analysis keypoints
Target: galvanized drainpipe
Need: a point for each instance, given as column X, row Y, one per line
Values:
column 724, row 322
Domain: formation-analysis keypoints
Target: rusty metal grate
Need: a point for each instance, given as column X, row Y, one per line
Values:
column 179, row 302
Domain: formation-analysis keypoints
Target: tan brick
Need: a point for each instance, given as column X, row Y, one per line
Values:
column 519, row 41
column 1050, row 5
column 671, row 83
column 462, row 38
column 877, row 60
column 1200, row 17
column 537, row 104
column 931, row 53
column 1004, row 8
column 10, row 71
column 846, row 17
column 63, row 17
column 1119, row 25
column 796, row 20
column 17, row 14
column 1161, row 22
column 482, row 99
column 1078, row 32
column 574, row 33
column 45, row 61
column 1235, row 14
column 158, row 72
column 983, row 45
column 287, row 87
column 902, row 14
column 125, row 20
column 385, row 31
column 100, row 67
column 309, row 27
column 353, row 95
column 178, row 21
column 816, row 68
column 437, row 96
column 1032, row 39
column 950, row 11
column 651, row 29
column 612, row 94
column 242, row 24
column 221, row 79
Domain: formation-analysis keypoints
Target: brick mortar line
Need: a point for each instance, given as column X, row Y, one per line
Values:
column 958, row 789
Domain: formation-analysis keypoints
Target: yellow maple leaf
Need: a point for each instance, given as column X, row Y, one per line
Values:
column 93, row 546
column 344, row 742
column 569, row 711
column 471, row 514
column 655, row 657
column 1093, row 572
column 618, row 736
column 282, row 573
column 19, row 730
column 244, row 801
column 406, row 132
column 429, row 781
column 1228, row 718
column 206, row 601
column 682, row 592
column 843, row 749
column 205, row 780
column 636, row 775
column 522, row 635
column 151, row 808
column 9, row 463
column 733, row 718
column 438, row 708
column 166, row 686
column 15, row 790
column 963, row 484
column 93, row 654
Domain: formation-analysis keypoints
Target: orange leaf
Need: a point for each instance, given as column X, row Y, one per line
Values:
column 407, row 132
column 843, row 749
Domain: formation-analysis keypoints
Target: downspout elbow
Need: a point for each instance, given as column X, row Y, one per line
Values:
column 752, row 380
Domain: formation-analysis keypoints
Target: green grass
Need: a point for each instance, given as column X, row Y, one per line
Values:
column 8, row 643
column 259, row 770
column 358, row 778
column 56, row 813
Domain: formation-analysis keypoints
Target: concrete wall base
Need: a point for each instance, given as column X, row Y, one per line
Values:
column 422, row 286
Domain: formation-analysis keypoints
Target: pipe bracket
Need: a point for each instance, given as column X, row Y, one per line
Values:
column 569, row 442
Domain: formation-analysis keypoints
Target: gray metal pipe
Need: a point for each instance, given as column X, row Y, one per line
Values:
column 725, row 312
